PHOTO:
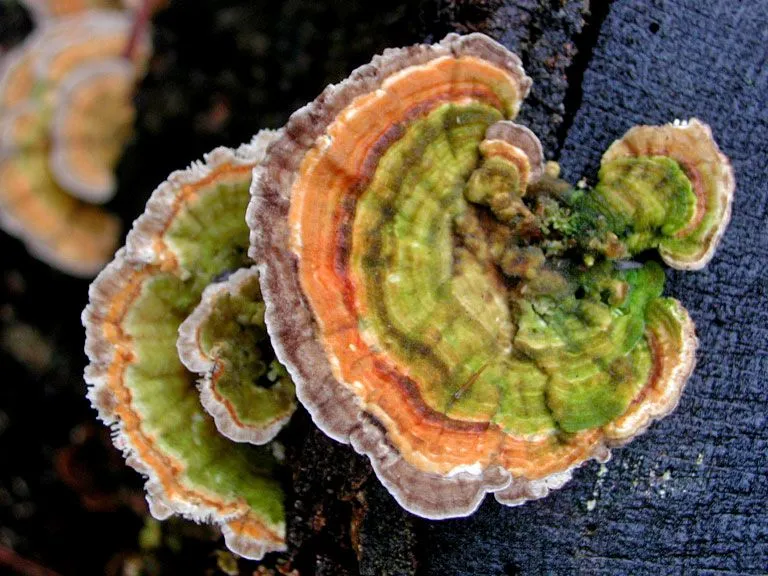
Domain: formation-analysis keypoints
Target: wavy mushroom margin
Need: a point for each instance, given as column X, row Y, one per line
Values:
column 290, row 323
column 110, row 353
column 196, row 359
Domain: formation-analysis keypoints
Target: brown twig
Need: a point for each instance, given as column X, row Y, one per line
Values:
column 140, row 21
column 21, row 565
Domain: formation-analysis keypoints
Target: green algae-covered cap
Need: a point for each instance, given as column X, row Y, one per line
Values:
column 224, row 340
column 448, row 306
column 192, row 233
column 696, row 193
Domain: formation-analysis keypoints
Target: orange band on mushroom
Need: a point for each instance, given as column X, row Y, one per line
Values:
column 192, row 231
column 332, row 174
column 466, row 336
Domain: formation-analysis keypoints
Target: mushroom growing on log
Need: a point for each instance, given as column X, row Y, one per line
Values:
column 450, row 309
column 441, row 299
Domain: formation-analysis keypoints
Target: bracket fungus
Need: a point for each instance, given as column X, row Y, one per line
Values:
column 441, row 299
column 453, row 309
column 90, row 126
column 220, row 341
column 65, row 113
column 192, row 234
column 688, row 241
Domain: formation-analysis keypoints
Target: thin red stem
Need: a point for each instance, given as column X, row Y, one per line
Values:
column 140, row 21
column 21, row 565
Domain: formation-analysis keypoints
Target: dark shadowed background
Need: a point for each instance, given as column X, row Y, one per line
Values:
column 688, row 497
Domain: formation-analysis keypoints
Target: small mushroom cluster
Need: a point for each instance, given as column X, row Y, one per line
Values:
column 65, row 113
column 440, row 298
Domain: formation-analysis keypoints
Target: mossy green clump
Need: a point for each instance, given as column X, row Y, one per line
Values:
column 508, row 307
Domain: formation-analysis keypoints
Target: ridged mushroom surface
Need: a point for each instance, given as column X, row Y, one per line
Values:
column 242, row 385
column 192, row 233
column 65, row 113
column 448, row 306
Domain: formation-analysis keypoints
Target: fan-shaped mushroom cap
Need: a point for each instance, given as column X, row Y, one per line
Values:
column 407, row 295
column 59, row 74
column 88, row 86
column 691, row 243
column 91, row 124
column 87, row 38
column 191, row 232
column 521, row 138
column 58, row 229
column 250, row 397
